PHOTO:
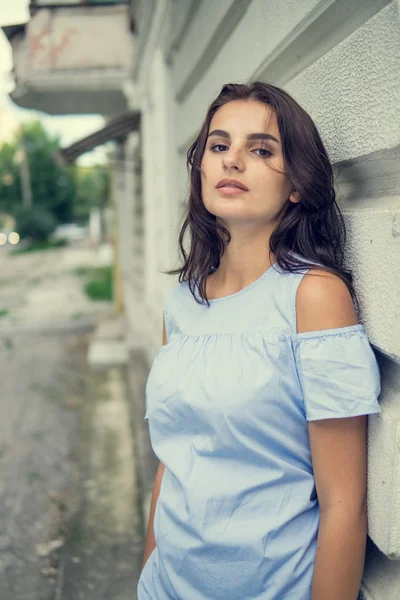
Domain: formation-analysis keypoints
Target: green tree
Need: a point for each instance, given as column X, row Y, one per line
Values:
column 59, row 194
column 52, row 186
column 37, row 223
column 10, row 181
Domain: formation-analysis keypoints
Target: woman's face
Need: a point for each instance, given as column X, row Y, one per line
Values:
column 254, row 162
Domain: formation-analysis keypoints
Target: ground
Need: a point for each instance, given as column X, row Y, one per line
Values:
column 69, row 507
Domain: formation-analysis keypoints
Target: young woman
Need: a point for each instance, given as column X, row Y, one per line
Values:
column 258, row 400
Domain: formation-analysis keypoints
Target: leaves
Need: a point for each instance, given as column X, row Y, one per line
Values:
column 67, row 193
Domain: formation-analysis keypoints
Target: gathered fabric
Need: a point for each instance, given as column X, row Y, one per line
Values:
column 228, row 399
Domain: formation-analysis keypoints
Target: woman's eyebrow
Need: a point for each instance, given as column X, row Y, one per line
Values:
column 251, row 136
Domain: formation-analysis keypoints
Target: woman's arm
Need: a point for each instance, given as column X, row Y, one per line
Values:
column 150, row 540
column 339, row 457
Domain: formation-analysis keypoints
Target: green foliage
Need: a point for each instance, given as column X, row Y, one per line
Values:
column 8, row 342
column 35, row 222
column 100, row 284
column 53, row 187
column 67, row 193
column 10, row 182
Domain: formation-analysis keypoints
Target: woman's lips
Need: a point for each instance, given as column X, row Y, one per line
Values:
column 230, row 190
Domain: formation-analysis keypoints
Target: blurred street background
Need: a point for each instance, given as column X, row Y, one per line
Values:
column 66, row 455
column 70, row 516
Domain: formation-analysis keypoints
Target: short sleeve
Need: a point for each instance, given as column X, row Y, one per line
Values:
column 338, row 372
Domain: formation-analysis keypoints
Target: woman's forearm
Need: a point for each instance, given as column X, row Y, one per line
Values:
column 340, row 555
column 150, row 540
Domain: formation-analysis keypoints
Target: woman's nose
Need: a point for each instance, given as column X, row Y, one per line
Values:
column 233, row 159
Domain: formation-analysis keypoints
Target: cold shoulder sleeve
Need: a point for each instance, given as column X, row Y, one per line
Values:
column 338, row 373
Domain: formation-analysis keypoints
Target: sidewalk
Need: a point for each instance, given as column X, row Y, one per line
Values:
column 70, row 508
column 104, row 548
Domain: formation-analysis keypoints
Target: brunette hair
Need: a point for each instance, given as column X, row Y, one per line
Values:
column 313, row 228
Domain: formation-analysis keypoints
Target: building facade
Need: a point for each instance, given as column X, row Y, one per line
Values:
column 341, row 61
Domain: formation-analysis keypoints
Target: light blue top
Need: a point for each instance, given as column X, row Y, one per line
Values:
column 228, row 399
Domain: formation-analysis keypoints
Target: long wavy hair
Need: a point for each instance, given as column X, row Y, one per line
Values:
column 313, row 228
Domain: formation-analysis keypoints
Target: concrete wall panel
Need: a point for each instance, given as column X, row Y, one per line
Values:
column 353, row 92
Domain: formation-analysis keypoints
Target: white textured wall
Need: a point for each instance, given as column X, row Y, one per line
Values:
column 341, row 61
column 160, row 190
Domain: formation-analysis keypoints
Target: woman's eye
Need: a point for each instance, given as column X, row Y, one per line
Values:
column 268, row 153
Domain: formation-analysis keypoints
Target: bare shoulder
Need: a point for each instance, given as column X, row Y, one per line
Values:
column 323, row 301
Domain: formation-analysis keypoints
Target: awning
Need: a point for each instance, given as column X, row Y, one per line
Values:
column 116, row 129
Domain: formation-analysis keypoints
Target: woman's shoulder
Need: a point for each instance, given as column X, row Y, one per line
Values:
column 323, row 301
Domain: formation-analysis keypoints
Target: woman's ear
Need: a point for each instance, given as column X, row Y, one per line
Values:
column 294, row 196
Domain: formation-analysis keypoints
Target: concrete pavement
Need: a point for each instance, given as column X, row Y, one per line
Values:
column 70, row 508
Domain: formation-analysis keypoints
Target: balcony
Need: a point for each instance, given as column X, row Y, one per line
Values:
column 73, row 59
